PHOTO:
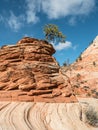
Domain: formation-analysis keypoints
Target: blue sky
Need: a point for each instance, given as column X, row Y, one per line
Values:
column 77, row 19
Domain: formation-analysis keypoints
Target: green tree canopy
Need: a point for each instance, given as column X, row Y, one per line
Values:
column 52, row 33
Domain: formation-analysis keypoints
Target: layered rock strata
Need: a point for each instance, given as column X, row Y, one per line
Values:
column 47, row 116
column 83, row 73
column 28, row 69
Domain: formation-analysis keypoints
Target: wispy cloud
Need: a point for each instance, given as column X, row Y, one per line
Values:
column 75, row 47
column 15, row 22
column 1, row 18
column 54, row 9
column 72, row 21
column 62, row 46
column 61, row 8
column 32, row 8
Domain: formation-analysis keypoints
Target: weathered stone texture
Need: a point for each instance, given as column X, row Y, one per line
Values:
column 29, row 66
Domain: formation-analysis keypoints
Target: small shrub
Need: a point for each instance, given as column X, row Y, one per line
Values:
column 96, row 93
column 94, row 63
column 88, row 94
column 91, row 42
column 92, row 117
column 77, row 60
column 93, row 91
column 64, row 64
column 76, row 86
column 78, row 75
column 80, row 58
column 86, row 88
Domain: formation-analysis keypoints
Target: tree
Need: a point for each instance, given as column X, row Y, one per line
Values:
column 52, row 33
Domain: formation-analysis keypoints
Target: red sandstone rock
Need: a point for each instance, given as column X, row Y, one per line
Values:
column 56, row 92
column 29, row 67
column 38, row 92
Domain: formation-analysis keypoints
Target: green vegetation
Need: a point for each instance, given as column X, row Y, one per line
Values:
column 93, row 90
column 52, row 33
column 94, row 63
column 78, row 75
column 96, row 93
column 76, row 85
column 86, row 88
column 88, row 94
column 91, row 42
column 64, row 64
column 79, row 58
column 92, row 117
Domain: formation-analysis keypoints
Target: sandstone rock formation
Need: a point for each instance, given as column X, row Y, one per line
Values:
column 83, row 74
column 45, row 116
column 28, row 72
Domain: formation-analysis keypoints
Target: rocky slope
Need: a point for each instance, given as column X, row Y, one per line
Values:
column 46, row 116
column 83, row 74
column 44, row 92
column 29, row 72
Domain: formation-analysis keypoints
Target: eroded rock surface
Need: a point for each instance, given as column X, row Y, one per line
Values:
column 30, row 67
column 46, row 116
column 83, row 74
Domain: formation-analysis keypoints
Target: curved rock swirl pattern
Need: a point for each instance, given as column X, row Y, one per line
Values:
column 41, row 116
